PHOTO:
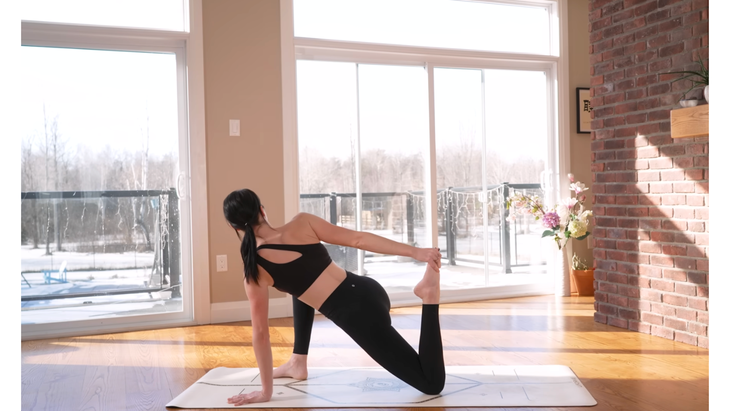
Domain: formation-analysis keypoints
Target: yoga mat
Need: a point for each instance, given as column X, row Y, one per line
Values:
column 466, row 386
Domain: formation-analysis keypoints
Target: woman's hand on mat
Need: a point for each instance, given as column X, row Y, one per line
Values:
column 255, row 396
column 432, row 256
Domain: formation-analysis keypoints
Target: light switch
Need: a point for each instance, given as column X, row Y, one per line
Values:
column 234, row 128
column 221, row 263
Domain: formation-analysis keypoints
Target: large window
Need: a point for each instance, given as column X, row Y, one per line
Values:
column 141, row 14
column 419, row 130
column 105, row 203
column 451, row 24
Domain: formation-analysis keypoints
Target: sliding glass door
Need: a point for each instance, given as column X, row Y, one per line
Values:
column 363, row 132
column 491, row 140
column 364, row 138
column 393, row 107
column 105, row 209
column 433, row 123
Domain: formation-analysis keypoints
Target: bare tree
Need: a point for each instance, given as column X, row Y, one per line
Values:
column 139, row 204
column 30, row 224
column 53, row 148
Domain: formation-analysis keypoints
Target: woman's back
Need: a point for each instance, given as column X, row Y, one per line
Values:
column 292, row 259
column 296, row 276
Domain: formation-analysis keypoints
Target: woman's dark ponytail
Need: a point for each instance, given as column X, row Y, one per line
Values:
column 241, row 208
column 248, row 254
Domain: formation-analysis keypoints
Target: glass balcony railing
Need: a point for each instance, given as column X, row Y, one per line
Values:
column 461, row 230
column 90, row 244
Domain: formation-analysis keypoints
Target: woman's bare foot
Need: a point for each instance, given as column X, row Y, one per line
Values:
column 295, row 368
column 429, row 288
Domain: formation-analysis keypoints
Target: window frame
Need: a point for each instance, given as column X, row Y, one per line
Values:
column 554, row 7
column 187, row 47
column 555, row 65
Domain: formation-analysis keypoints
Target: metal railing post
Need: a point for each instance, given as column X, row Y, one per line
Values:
column 410, row 218
column 504, row 232
column 450, row 227
column 173, row 241
column 333, row 208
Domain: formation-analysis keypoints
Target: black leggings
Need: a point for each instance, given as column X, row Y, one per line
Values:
column 361, row 307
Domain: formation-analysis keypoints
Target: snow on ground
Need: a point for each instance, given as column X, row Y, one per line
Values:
column 36, row 260
column 89, row 272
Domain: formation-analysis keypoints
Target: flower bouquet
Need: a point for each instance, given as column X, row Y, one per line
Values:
column 566, row 220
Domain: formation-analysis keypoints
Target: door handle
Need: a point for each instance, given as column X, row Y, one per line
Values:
column 181, row 194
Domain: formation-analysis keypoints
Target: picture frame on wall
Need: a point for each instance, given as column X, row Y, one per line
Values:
column 583, row 109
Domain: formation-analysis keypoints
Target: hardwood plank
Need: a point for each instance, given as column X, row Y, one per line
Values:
column 104, row 372
column 145, row 384
column 33, row 372
column 64, row 370
column 185, row 367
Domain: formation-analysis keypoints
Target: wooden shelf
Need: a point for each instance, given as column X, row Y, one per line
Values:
column 691, row 121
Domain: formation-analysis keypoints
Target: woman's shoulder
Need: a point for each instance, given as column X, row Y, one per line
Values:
column 304, row 217
column 301, row 224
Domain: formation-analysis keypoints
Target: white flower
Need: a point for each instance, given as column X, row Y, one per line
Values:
column 578, row 187
column 577, row 228
column 571, row 177
column 563, row 212
column 584, row 216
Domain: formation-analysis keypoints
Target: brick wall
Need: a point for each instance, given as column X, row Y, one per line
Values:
column 650, row 191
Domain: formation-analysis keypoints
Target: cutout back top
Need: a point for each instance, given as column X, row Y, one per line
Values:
column 296, row 276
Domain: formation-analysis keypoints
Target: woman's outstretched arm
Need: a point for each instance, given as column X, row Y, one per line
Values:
column 258, row 297
column 333, row 234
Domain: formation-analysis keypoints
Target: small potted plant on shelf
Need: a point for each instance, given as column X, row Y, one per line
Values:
column 565, row 221
column 699, row 78
column 581, row 276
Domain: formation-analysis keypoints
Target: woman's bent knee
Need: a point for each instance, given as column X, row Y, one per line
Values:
column 434, row 388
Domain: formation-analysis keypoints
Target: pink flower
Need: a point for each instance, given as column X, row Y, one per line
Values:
column 551, row 220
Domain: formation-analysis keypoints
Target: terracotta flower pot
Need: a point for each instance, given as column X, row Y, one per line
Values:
column 582, row 281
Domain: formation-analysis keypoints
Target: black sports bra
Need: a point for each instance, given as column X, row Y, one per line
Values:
column 296, row 276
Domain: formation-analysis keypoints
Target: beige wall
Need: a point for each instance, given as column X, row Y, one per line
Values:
column 579, row 67
column 242, row 81
column 242, row 60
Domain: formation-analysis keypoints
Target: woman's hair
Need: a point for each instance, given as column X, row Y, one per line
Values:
column 241, row 208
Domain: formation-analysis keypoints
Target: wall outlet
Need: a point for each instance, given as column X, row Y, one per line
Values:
column 221, row 263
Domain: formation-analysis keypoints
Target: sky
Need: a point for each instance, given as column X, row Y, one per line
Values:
column 154, row 14
column 100, row 98
column 393, row 108
column 434, row 23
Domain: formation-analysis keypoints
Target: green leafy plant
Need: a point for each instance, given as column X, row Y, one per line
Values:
column 699, row 78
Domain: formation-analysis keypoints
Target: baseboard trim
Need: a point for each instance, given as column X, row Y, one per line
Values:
column 241, row 310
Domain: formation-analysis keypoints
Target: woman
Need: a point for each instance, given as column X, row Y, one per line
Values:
column 291, row 258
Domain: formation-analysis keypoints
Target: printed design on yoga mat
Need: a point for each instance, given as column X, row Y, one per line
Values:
column 374, row 387
column 380, row 384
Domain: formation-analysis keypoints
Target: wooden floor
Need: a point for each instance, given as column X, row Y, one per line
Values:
column 144, row 370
